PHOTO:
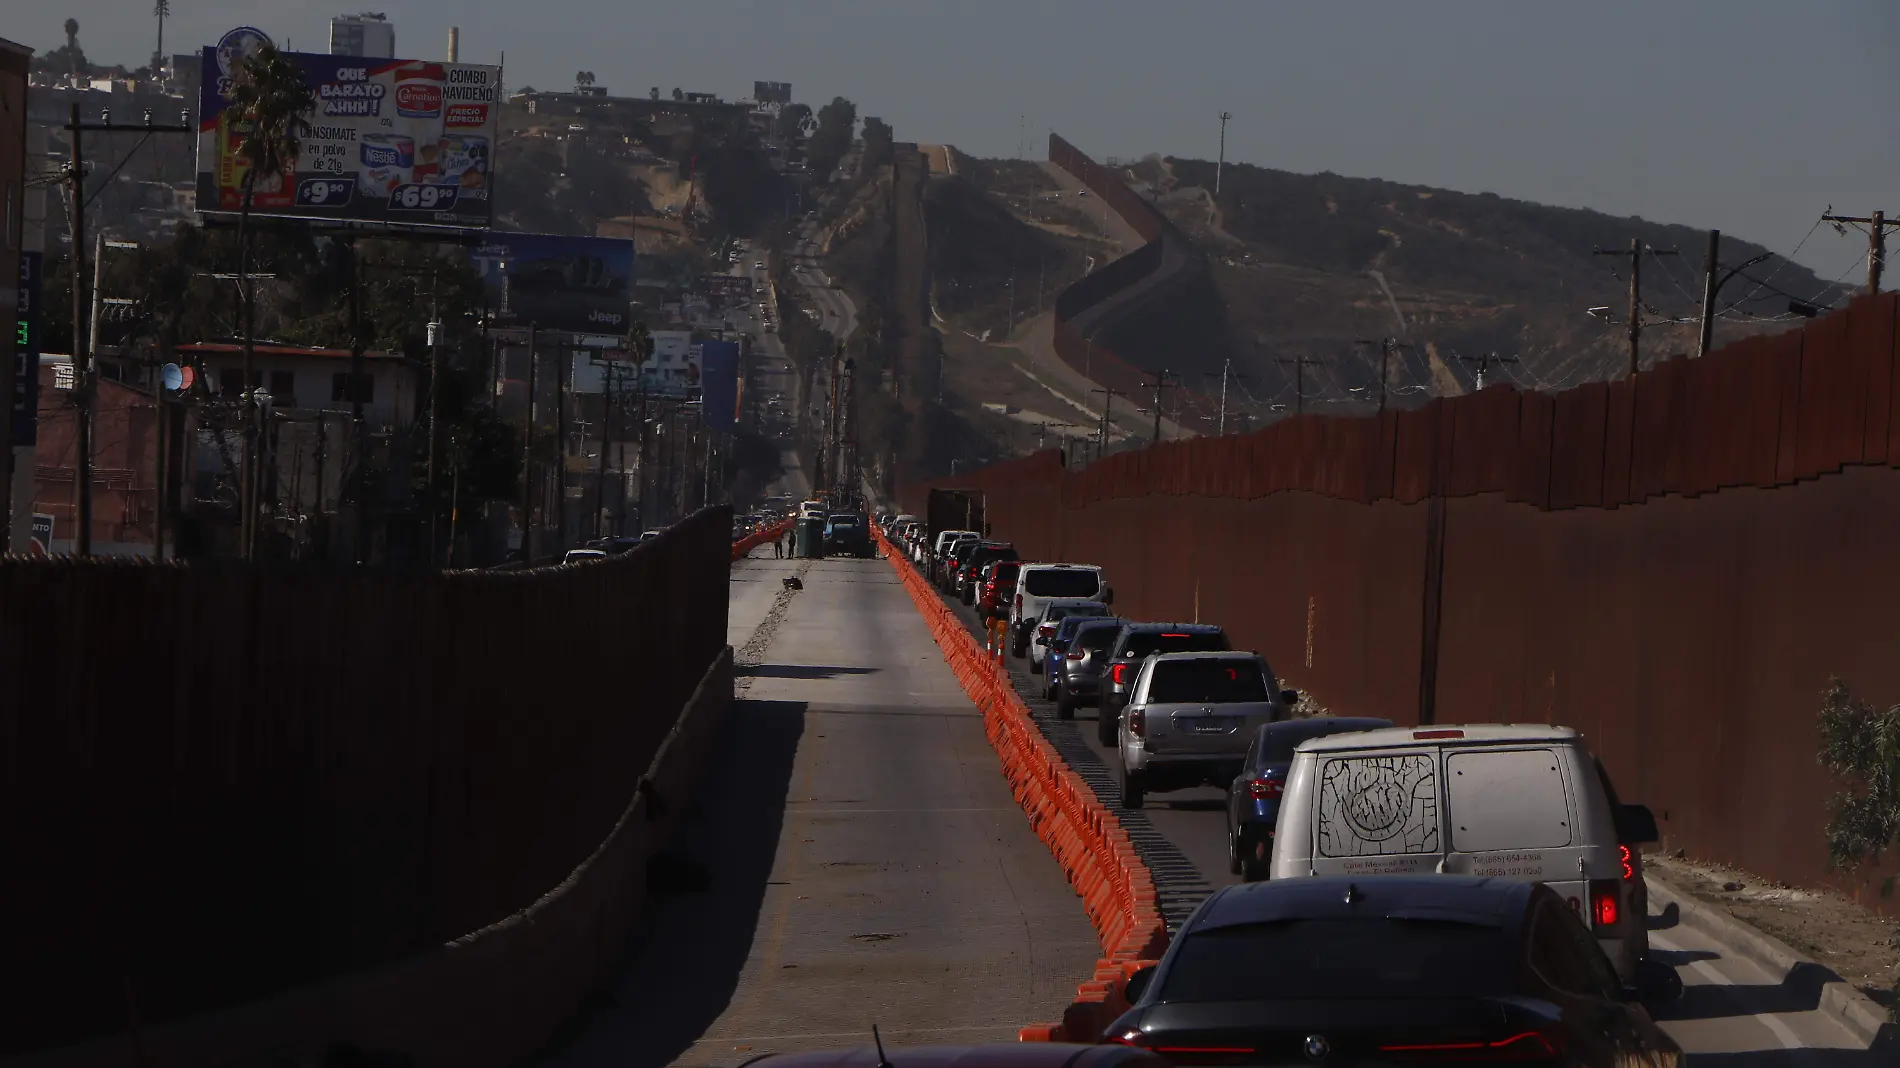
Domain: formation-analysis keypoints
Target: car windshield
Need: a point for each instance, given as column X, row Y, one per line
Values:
column 1277, row 742
column 1006, row 571
column 1071, row 616
column 1096, row 638
column 1370, row 957
column 1061, row 582
column 1145, row 642
column 1207, row 681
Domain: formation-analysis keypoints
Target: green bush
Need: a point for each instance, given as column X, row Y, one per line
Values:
column 1860, row 744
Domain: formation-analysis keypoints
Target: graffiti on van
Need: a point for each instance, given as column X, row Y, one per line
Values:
column 1379, row 805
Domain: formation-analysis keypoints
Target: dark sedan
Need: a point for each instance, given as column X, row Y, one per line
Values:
column 1078, row 675
column 1393, row 970
column 1253, row 801
column 994, row 1055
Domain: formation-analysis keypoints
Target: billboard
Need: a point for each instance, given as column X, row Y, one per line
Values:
column 719, row 383
column 394, row 141
column 772, row 92
column 26, row 356
column 673, row 369
column 582, row 285
column 728, row 288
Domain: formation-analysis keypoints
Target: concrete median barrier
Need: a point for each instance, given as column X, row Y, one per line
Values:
column 1085, row 838
column 490, row 998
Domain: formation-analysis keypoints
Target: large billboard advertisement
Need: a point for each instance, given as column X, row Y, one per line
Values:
column 394, row 141
column 582, row 285
column 719, row 383
column 772, row 92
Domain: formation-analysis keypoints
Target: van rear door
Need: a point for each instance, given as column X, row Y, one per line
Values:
column 1378, row 812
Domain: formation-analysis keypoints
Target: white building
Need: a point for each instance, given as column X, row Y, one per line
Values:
column 369, row 35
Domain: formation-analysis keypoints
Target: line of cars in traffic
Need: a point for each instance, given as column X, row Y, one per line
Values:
column 1483, row 863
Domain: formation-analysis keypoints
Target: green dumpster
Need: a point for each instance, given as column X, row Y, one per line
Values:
column 809, row 540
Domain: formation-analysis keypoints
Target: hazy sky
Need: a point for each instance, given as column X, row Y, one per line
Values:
column 1748, row 115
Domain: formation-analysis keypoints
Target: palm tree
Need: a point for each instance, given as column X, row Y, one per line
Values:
column 583, row 77
column 269, row 99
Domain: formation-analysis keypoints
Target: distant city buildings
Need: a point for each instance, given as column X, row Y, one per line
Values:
column 368, row 35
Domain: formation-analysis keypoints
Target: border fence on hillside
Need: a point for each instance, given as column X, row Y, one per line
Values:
column 1674, row 563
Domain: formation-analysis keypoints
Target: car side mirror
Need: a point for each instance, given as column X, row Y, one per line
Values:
column 1291, row 697
column 1138, row 983
column 1636, row 825
column 1654, row 986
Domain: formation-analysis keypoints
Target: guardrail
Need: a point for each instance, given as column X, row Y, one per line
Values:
column 745, row 545
column 1087, row 839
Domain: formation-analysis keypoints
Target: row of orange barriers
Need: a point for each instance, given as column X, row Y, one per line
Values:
column 752, row 541
column 1085, row 837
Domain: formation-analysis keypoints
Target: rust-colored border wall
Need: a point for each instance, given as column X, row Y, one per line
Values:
column 1673, row 564
column 227, row 781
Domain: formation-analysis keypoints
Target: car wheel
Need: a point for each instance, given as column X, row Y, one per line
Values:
column 1253, row 871
column 1132, row 792
column 1233, row 852
column 1104, row 726
column 1035, row 666
column 1065, row 706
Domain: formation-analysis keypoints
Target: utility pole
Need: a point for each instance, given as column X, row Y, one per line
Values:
column 435, row 391
column 563, row 386
column 1299, row 381
column 1876, row 224
column 1160, row 383
column 1221, row 164
column 1387, row 346
column 359, row 385
column 1108, row 402
column 1484, row 362
column 83, row 372
column 607, row 397
column 527, row 454
column 1635, row 324
column 1709, row 261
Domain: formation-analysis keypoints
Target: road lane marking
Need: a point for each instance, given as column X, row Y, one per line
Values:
column 1775, row 1025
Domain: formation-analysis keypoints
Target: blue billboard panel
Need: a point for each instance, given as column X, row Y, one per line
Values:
column 582, row 285
column 719, row 383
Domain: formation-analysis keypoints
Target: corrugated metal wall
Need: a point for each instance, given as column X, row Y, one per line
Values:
column 219, row 782
column 1674, row 564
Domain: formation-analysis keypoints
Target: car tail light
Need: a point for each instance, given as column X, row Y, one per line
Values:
column 1138, row 723
column 1606, row 902
column 1118, row 674
column 1428, row 735
column 1629, row 866
column 1264, row 789
column 1019, row 602
column 1046, row 628
column 1076, row 654
column 1523, row 1046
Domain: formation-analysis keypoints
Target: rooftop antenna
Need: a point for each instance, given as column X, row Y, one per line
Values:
column 879, row 1042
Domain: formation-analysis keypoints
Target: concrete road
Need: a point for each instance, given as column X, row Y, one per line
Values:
column 1734, row 1013
column 864, row 861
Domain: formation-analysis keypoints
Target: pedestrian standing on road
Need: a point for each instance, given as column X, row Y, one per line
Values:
column 778, row 548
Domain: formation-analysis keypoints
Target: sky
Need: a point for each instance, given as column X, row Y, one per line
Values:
column 1753, row 116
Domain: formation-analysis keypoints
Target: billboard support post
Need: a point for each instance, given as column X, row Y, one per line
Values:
column 527, row 454
column 435, row 391
column 359, row 431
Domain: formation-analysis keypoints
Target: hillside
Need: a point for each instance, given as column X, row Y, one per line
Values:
column 1297, row 261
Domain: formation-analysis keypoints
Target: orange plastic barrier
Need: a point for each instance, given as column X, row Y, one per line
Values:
column 1085, row 837
column 752, row 541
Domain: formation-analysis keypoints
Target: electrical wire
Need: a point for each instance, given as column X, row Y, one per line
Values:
column 115, row 171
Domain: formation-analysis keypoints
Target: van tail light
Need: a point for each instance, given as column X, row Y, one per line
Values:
column 1629, row 864
column 1118, row 674
column 1606, row 902
column 1076, row 654
column 1138, row 723
column 1265, row 789
column 1523, row 1046
column 1019, row 602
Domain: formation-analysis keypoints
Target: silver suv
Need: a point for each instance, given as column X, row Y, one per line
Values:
column 1190, row 718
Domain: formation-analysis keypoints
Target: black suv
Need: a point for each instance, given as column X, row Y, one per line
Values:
column 1135, row 643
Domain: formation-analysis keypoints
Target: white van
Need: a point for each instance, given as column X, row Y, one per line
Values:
column 1519, row 801
column 1038, row 584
